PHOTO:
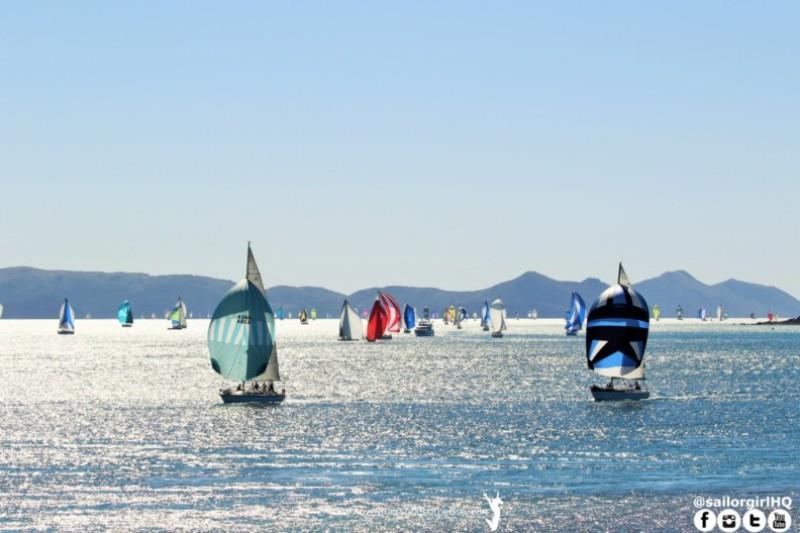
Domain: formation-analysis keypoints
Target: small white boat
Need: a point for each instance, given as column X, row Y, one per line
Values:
column 424, row 326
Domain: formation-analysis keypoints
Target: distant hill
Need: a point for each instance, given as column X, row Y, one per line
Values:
column 738, row 298
column 33, row 293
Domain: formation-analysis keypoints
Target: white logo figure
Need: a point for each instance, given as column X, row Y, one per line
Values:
column 495, row 504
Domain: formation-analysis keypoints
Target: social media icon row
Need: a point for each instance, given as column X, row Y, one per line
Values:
column 753, row 520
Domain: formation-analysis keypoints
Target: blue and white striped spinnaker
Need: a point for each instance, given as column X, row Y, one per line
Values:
column 616, row 332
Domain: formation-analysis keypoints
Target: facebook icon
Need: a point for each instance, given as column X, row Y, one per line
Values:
column 705, row 520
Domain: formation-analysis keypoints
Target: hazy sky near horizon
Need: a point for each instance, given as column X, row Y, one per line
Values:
column 451, row 144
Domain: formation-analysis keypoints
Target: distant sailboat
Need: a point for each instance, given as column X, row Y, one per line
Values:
column 279, row 313
column 1, row 310
column 365, row 313
column 378, row 321
column 313, row 313
column 656, row 312
column 177, row 316
column 616, row 338
column 701, row 314
column 424, row 326
column 497, row 318
column 485, row 316
column 125, row 314
column 719, row 313
column 303, row 316
column 457, row 318
column 66, row 319
column 451, row 314
column 575, row 315
column 241, row 341
column 535, row 314
column 409, row 318
column 350, row 328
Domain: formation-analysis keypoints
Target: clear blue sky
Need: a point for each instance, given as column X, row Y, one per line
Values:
column 454, row 144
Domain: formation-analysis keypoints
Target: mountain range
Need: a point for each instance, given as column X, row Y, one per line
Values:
column 33, row 293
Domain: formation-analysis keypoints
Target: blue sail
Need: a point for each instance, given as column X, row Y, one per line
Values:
column 279, row 314
column 616, row 334
column 576, row 314
column 66, row 320
column 409, row 316
column 485, row 314
column 124, row 313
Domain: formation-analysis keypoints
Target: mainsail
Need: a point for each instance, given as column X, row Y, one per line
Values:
column 350, row 328
column 409, row 317
column 701, row 313
column 303, row 316
column 577, row 314
column 497, row 316
column 378, row 321
column 1, row 310
column 313, row 313
column 272, row 373
column 66, row 318
column 616, row 333
column 125, row 314
column 719, row 313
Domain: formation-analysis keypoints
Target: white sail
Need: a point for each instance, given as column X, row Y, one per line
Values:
column 253, row 274
column 636, row 373
column 719, row 313
column 272, row 373
column 1, row 310
column 497, row 316
column 350, row 327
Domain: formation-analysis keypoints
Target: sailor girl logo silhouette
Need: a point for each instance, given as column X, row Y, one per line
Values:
column 494, row 504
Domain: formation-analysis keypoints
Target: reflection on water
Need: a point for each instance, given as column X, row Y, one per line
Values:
column 122, row 428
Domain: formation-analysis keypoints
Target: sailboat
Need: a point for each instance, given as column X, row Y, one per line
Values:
column 451, row 314
column 656, row 312
column 679, row 312
column 279, row 313
column 424, row 326
column 66, row 319
column 125, row 314
column 241, row 341
column 497, row 317
column 409, row 318
column 1, row 310
column 575, row 315
column 378, row 321
column 177, row 316
column 365, row 313
column 457, row 318
column 444, row 317
column 392, row 312
column 313, row 313
column 616, row 338
column 485, row 316
column 350, row 328
column 719, row 313
column 303, row 316
column 701, row 314
column 534, row 314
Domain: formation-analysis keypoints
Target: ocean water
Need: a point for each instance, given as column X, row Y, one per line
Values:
column 122, row 429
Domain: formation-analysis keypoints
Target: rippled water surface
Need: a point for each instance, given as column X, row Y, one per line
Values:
column 123, row 429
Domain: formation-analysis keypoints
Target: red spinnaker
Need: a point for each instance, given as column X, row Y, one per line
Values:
column 392, row 310
column 377, row 322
